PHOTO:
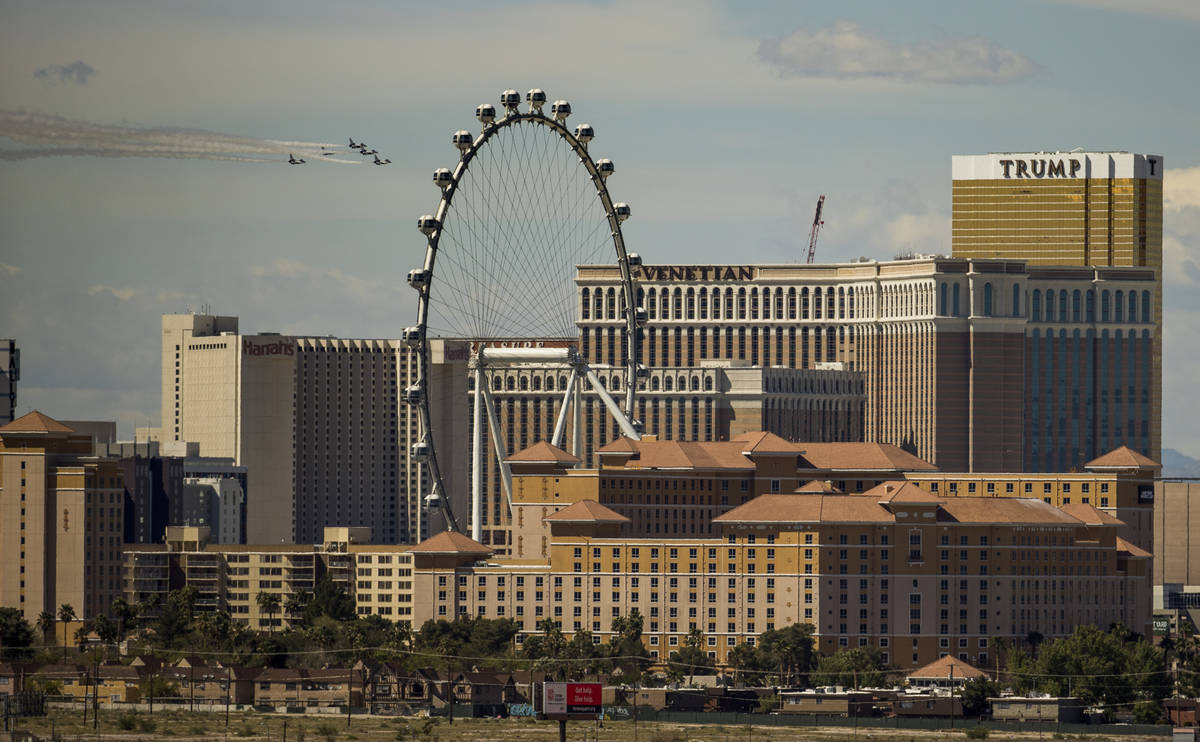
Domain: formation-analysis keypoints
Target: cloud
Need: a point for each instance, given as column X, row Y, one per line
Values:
column 1181, row 188
column 1182, row 9
column 845, row 51
column 42, row 135
column 60, row 74
column 122, row 294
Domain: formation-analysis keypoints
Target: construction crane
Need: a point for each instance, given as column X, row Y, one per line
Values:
column 816, row 228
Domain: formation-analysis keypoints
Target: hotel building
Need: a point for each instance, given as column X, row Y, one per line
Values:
column 898, row 568
column 1081, row 209
column 229, row 577
column 972, row 364
column 62, row 518
column 318, row 423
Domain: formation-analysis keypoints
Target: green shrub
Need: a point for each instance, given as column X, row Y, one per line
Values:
column 127, row 721
column 146, row 725
column 977, row 733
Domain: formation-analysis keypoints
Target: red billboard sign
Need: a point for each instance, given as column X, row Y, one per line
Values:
column 583, row 698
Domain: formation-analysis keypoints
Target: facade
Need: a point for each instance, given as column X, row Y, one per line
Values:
column 61, row 520
column 917, row 575
column 1176, row 563
column 715, row 400
column 10, row 374
column 217, row 503
column 316, row 422
column 967, row 364
column 153, row 483
column 230, row 577
column 1082, row 209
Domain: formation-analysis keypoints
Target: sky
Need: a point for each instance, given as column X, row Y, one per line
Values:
column 143, row 149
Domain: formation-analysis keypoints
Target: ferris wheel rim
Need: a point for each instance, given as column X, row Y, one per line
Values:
column 422, row 347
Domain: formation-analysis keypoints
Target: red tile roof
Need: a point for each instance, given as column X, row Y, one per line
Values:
column 35, row 422
column 947, row 667
column 1090, row 515
column 817, row 486
column 586, row 511
column 1123, row 458
column 897, row 492
column 450, row 542
column 543, row 453
column 1131, row 549
column 867, row 508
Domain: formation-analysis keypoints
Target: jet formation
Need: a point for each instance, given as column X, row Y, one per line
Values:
column 360, row 146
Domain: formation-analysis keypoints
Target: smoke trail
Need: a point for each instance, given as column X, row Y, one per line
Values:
column 41, row 135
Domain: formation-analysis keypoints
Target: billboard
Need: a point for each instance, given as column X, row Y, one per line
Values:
column 571, row 699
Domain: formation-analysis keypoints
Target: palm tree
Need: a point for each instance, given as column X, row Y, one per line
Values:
column 125, row 613
column 269, row 603
column 45, row 624
column 66, row 614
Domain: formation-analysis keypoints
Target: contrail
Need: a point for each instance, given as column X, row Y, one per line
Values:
column 41, row 135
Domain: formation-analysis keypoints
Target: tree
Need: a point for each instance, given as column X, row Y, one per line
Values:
column 125, row 614
column 857, row 667
column 625, row 648
column 788, row 651
column 329, row 599
column 66, row 614
column 174, row 620
column 45, row 624
column 295, row 604
column 156, row 686
column 690, row 658
column 16, row 635
column 269, row 604
column 975, row 695
column 105, row 628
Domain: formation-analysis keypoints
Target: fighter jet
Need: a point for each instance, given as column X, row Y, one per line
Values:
column 292, row 160
column 382, row 162
column 355, row 146
column 368, row 152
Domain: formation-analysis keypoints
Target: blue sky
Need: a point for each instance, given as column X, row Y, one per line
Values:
column 725, row 121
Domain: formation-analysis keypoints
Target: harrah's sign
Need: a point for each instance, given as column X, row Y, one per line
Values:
column 279, row 347
column 695, row 273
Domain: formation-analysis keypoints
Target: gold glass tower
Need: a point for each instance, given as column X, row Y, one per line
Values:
column 1074, row 209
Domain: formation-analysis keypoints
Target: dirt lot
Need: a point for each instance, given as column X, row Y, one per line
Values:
column 181, row 726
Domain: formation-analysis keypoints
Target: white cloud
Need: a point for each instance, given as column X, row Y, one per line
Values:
column 122, row 294
column 1181, row 188
column 1181, row 9
column 846, row 51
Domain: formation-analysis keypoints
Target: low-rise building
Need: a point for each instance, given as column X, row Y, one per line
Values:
column 1038, row 708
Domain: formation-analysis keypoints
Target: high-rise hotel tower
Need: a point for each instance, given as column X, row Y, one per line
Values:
column 1082, row 209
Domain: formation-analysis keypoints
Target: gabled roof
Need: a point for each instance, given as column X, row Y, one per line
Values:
column 861, row 457
column 1131, row 549
column 1090, row 514
column 35, row 422
column 898, row 492
column 586, row 511
column 1120, row 458
column 450, row 542
column 947, row 667
column 622, row 444
column 817, row 486
column 868, row 508
column 762, row 442
column 543, row 453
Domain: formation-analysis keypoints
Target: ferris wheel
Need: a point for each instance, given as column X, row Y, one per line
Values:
column 524, row 206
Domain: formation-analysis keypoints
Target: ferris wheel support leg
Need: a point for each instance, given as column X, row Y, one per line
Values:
column 477, row 458
column 614, row 409
column 498, row 447
column 577, row 417
column 560, row 426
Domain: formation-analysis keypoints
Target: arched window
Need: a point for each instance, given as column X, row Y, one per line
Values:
column 942, row 291
column 691, row 303
column 703, row 303
column 1091, row 306
column 668, row 383
column 804, row 303
column 1075, row 308
column 524, row 383
column 1119, row 308
column 956, row 313
column 850, row 299
column 741, row 307
column 1146, row 307
column 695, row 383
column 1016, row 304
column 677, row 306
column 612, row 304
column 1035, row 308
column 818, row 309
column 791, row 311
column 654, row 385
column 708, row 385
column 987, row 299
column 1133, row 306
column 1062, row 305
column 586, row 313
column 537, row 383
column 562, row 383
column 1105, row 306
column 510, row 384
